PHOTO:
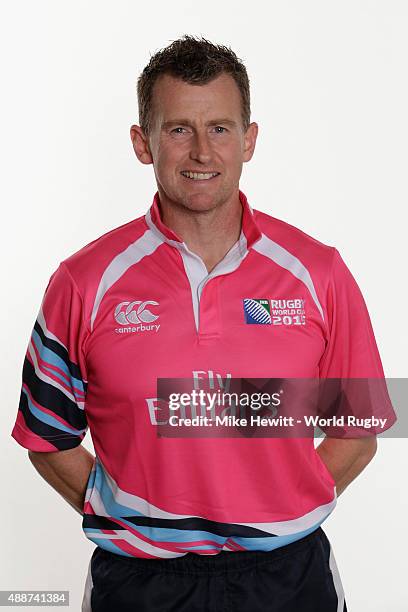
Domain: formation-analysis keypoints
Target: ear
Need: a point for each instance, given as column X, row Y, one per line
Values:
column 140, row 144
column 250, row 141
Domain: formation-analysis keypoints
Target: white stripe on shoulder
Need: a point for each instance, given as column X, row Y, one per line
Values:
column 145, row 245
column 269, row 248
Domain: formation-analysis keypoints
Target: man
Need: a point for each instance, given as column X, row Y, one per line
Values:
column 194, row 289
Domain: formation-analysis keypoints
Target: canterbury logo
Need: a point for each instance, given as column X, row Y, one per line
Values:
column 135, row 312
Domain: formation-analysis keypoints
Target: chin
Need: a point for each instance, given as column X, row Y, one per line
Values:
column 200, row 201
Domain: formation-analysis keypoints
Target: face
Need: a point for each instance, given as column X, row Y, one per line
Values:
column 197, row 142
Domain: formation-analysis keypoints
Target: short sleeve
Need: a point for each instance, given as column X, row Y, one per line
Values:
column 51, row 413
column 351, row 358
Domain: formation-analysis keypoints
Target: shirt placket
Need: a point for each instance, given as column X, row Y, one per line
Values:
column 205, row 287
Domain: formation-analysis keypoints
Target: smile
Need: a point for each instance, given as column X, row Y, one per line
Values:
column 199, row 176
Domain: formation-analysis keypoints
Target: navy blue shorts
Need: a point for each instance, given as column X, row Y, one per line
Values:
column 299, row 577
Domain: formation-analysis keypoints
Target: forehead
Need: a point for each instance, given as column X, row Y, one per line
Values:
column 173, row 97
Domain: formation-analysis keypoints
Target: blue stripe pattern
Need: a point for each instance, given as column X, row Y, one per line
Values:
column 50, row 357
column 50, row 420
column 99, row 481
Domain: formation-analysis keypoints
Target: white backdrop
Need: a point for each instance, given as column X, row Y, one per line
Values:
column 329, row 91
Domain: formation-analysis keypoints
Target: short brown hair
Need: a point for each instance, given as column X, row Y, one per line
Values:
column 196, row 61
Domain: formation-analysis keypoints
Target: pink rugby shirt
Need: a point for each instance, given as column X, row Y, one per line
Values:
column 135, row 305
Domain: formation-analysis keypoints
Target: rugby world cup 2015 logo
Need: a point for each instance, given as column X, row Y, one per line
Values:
column 257, row 311
column 286, row 312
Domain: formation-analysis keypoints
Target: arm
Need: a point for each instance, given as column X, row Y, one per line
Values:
column 66, row 471
column 346, row 458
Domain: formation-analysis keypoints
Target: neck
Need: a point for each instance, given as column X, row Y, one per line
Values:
column 211, row 233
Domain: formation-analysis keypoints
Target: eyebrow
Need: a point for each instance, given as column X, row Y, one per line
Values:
column 174, row 122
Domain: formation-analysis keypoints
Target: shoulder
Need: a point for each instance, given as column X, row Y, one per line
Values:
column 287, row 240
column 87, row 265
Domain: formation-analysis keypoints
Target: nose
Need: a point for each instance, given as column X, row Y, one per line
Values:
column 201, row 148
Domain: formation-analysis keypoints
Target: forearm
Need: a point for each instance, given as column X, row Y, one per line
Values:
column 346, row 458
column 66, row 471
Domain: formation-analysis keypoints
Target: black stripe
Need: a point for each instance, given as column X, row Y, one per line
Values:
column 61, row 439
column 99, row 522
column 189, row 524
column 53, row 399
column 199, row 524
column 59, row 350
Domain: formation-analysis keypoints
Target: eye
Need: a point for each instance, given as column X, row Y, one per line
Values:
column 220, row 129
column 177, row 130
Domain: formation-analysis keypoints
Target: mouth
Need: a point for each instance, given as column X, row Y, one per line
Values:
column 199, row 176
